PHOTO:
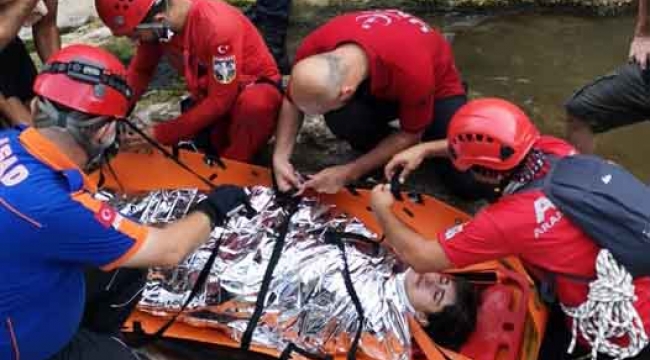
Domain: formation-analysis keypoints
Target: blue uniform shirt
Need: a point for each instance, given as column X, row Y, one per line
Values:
column 51, row 230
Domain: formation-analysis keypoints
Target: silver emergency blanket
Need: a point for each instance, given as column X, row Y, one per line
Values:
column 307, row 303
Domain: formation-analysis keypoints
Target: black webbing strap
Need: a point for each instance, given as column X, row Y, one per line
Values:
column 349, row 286
column 290, row 205
column 168, row 154
column 142, row 339
column 334, row 237
column 293, row 348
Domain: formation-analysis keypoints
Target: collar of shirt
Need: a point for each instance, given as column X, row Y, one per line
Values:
column 48, row 153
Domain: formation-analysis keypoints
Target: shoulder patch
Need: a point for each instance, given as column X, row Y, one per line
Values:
column 106, row 215
column 224, row 69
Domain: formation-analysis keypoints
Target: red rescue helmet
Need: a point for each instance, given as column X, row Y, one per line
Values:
column 122, row 16
column 86, row 79
column 491, row 133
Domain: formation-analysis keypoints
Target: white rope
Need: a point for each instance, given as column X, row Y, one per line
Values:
column 608, row 312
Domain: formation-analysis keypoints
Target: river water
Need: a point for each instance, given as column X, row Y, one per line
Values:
column 539, row 60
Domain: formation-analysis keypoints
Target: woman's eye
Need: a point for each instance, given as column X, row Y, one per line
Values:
column 437, row 296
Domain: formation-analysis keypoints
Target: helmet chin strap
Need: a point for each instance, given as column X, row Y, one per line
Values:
column 83, row 129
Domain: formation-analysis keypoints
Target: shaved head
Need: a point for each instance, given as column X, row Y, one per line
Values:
column 316, row 82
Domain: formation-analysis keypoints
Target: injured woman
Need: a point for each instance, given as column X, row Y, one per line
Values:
column 308, row 302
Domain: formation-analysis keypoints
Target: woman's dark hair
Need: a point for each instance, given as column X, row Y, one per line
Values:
column 452, row 326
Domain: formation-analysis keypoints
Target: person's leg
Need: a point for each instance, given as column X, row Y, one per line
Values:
column 460, row 183
column 17, row 76
column 619, row 99
column 272, row 19
column 252, row 121
column 363, row 122
column 89, row 345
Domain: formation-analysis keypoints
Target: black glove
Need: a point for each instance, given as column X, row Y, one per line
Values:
column 222, row 201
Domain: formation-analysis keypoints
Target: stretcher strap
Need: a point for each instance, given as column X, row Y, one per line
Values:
column 142, row 338
column 168, row 154
column 336, row 239
column 290, row 205
column 291, row 348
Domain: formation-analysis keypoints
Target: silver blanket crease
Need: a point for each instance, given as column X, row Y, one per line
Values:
column 307, row 303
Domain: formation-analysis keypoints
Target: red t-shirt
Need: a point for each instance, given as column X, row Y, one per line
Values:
column 409, row 62
column 528, row 225
column 218, row 52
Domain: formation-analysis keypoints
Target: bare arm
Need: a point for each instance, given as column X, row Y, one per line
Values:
column 411, row 158
column 289, row 123
column 641, row 28
column 12, row 15
column 416, row 251
column 380, row 155
column 15, row 111
column 640, row 47
column 334, row 178
column 173, row 243
column 46, row 33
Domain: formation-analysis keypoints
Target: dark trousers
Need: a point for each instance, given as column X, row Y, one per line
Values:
column 363, row 123
column 110, row 299
column 272, row 19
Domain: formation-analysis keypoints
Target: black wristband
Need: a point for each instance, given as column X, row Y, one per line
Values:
column 205, row 207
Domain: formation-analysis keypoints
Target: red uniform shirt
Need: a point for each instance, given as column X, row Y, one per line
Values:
column 527, row 225
column 409, row 62
column 218, row 52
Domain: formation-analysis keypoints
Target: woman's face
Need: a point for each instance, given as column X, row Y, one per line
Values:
column 430, row 292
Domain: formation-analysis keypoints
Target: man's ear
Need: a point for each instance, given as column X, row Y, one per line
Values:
column 346, row 93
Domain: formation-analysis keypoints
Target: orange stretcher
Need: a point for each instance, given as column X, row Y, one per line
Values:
column 511, row 317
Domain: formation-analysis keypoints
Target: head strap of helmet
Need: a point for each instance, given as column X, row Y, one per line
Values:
column 90, row 74
column 82, row 127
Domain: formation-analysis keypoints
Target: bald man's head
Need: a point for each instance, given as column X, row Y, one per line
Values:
column 316, row 83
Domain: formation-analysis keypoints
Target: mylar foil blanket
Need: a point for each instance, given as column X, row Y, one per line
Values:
column 307, row 303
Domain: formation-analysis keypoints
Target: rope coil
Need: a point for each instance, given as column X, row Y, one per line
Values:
column 608, row 312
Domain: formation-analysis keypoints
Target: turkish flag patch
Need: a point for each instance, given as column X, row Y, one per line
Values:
column 106, row 215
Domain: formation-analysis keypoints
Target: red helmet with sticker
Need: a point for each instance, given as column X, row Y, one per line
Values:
column 491, row 133
column 87, row 79
column 122, row 16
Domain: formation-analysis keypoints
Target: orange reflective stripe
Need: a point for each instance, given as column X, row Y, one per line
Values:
column 17, row 212
column 46, row 151
column 135, row 231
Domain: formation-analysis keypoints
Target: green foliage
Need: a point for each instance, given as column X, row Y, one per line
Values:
column 121, row 47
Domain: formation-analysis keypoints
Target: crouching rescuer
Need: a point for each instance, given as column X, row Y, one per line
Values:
column 578, row 223
column 54, row 229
